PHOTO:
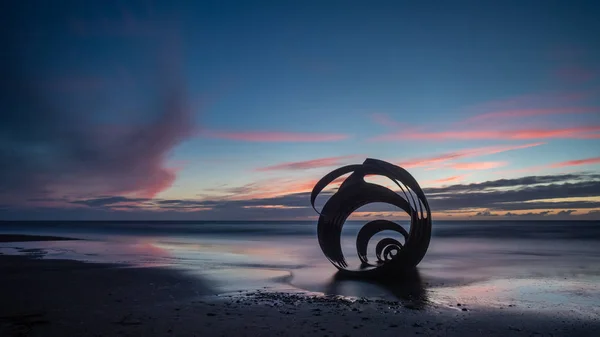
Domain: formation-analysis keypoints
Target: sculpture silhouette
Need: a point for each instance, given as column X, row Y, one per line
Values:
column 393, row 257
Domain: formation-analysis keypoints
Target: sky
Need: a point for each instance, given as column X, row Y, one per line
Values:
column 232, row 110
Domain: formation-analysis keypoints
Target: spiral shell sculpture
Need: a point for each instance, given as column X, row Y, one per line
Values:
column 393, row 257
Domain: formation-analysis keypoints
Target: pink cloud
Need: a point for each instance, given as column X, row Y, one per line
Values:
column 451, row 179
column 464, row 153
column 484, row 165
column 274, row 206
column 273, row 136
column 308, row 164
column 563, row 164
column 271, row 188
column 587, row 161
column 586, row 132
column 426, row 161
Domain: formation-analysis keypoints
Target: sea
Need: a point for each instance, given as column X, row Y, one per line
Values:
column 547, row 265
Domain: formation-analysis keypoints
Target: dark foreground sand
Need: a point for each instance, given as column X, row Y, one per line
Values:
column 70, row 298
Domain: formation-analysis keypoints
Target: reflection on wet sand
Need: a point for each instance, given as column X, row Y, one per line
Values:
column 551, row 274
column 408, row 287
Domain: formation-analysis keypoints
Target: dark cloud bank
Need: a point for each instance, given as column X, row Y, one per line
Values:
column 499, row 198
column 52, row 142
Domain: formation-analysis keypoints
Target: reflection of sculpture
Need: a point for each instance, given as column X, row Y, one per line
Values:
column 409, row 288
column 392, row 255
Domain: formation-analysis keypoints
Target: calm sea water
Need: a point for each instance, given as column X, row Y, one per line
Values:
column 541, row 263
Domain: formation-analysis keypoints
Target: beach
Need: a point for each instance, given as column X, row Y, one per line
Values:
column 122, row 283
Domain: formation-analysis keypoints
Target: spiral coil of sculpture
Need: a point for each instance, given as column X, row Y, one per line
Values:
column 393, row 257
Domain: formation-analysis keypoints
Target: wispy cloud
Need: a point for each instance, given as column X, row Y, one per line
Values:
column 582, row 132
column 516, row 182
column 274, row 206
column 587, row 161
column 452, row 179
column 519, row 113
column 274, row 136
column 535, row 101
column 562, row 164
column 463, row 153
column 271, row 188
column 482, row 165
column 506, row 120
column 309, row 164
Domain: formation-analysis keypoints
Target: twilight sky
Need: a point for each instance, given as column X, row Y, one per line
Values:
column 234, row 109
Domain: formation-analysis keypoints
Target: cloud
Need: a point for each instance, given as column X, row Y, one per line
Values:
column 535, row 101
column 569, row 163
column 516, row 182
column 463, row 153
column 483, row 165
column 582, row 132
column 497, row 195
column 552, row 194
column 144, row 204
column 274, row 136
column 109, row 201
column 52, row 147
column 274, row 206
column 485, row 213
column 270, row 188
column 530, row 214
column 486, row 120
column 519, row 113
column 308, row 164
column 504, row 194
column 515, row 206
column 587, row 161
column 448, row 179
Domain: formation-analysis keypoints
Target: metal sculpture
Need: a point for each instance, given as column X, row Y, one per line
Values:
column 393, row 257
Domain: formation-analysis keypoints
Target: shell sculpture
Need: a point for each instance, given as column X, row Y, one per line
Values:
column 393, row 257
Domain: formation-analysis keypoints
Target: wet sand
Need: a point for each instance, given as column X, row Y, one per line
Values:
column 44, row 297
column 70, row 298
